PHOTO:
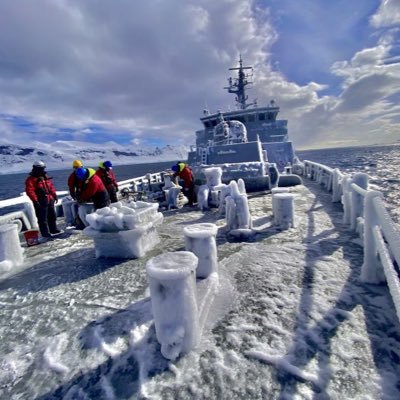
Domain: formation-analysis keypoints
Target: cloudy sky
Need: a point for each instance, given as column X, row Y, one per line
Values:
column 141, row 72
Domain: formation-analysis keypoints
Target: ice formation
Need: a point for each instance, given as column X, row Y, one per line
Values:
column 124, row 231
column 200, row 240
column 237, row 214
column 70, row 210
column 283, row 210
column 11, row 252
column 172, row 284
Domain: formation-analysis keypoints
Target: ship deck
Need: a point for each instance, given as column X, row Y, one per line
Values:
column 291, row 320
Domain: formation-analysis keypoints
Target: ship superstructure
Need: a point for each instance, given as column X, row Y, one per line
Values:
column 248, row 134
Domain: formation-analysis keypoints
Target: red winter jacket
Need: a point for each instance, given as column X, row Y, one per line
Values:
column 186, row 175
column 74, row 185
column 40, row 189
column 93, row 190
column 108, row 178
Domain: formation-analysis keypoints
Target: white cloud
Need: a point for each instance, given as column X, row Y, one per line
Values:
column 388, row 14
column 147, row 69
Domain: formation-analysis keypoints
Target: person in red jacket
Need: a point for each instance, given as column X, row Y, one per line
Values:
column 40, row 189
column 106, row 174
column 73, row 182
column 182, row 171
column 92, row 188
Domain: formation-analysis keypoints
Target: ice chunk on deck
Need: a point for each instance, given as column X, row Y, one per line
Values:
column 11, row 252
column 172, row 284
column 124, row 231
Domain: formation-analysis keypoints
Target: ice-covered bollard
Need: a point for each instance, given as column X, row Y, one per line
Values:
column 202, row 197
column 288, row 168
column 11, row 252
column 277, row 190
column 69, row 206
column 213, row 176
column 124, row 231
column 172, row 283
column 237, row 213
column 283, row 210
column 273, row 175
column 200, row 240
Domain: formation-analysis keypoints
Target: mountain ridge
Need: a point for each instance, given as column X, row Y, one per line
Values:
column 16, row 158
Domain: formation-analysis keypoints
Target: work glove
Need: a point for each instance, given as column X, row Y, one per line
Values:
column 55, row 200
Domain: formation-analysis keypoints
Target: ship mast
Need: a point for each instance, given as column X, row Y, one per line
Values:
column 237, row 85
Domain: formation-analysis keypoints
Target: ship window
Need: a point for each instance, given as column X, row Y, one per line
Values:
column 207, row 124
column 214, row 122
column 250, row 118
column 240, row 119
column 261, row 117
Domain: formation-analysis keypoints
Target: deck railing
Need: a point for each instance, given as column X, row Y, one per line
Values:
column 365, row 212
column 25, row 217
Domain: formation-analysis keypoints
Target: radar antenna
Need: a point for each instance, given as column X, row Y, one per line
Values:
column 237, row 85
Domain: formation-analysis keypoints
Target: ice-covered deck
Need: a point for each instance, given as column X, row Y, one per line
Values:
column 292, row 319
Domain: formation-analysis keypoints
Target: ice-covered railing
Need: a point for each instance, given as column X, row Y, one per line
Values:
column 142, row 183
column 26, row 219
column 365, row 212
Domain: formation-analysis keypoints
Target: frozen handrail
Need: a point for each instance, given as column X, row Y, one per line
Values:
column 365, row 212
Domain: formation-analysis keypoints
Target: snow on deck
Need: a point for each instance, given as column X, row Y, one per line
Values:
column 292, row 320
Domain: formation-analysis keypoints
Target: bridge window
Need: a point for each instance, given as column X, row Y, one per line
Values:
column 251, row 118
column 261, row 117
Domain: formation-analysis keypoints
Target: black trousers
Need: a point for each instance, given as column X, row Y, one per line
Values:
column 190, row 194
column 46, row 216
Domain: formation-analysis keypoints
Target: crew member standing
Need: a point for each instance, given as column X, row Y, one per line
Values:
column 40, row 189
column 183, row 171
column 92, row 188
column 106, row 174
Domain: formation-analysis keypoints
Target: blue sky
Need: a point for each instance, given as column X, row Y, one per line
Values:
column 140, row 73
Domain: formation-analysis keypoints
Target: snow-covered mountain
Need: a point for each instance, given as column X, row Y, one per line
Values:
column 60, row 154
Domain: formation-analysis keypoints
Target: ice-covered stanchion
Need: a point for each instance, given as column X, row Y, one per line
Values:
column 237, row 214
column 124, row 231
column 283, row 210
column 11, row 252
column 30, row 212
column 357, row 200
column 172, row 284
column 200, row 240
column 69, row 206
column 371, row 271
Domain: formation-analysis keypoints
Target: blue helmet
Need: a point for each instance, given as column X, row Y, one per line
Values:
column 107, row 164
column 81, row 173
